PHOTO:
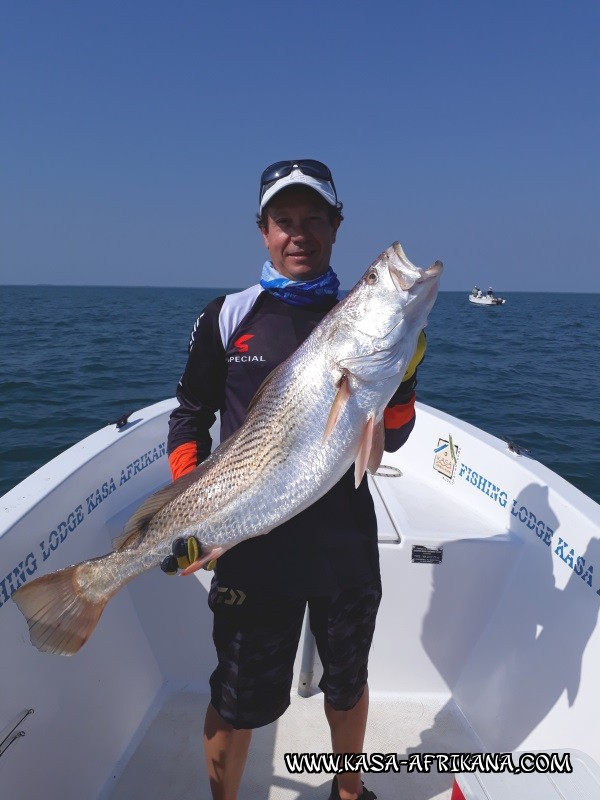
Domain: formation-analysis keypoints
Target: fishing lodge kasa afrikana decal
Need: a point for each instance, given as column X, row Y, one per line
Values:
column 71, row 520
column 446, row 462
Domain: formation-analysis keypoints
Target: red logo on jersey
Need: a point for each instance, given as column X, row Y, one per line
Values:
column 240, row 344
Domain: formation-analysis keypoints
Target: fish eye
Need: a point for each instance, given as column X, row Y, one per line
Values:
column 372, row 277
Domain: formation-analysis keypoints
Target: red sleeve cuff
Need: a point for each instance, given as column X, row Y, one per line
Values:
column 397, row 416
column 183, row 459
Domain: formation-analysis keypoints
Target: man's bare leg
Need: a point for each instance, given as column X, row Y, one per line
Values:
column 348, row 736
column 225, row 751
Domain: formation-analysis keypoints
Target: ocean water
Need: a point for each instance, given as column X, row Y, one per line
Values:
column 74, row 358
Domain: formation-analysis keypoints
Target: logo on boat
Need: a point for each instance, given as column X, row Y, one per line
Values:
column 446, row 458
column 70, row 522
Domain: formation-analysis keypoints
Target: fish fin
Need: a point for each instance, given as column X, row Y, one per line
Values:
column 212, row 555
column 377, row 448
column 135, row 527
column 60, row 620
column 339, row 403
column 364, row 451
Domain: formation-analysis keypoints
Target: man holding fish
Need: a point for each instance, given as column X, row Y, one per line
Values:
column 309, row 391
column 326, row 555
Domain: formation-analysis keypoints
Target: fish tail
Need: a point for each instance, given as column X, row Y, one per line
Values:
column 60, row 619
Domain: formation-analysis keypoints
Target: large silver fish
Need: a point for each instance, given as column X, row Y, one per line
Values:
column 317, row 413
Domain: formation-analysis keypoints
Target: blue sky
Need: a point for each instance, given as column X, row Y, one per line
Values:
column 133, row 135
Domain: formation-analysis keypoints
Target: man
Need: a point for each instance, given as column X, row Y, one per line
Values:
column 327, row 555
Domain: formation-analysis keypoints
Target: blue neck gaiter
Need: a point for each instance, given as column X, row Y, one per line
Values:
column 316, row 294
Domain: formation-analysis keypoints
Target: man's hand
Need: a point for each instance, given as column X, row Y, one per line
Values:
column 185, row 553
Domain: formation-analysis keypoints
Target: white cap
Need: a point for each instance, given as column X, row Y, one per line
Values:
column 324, row 188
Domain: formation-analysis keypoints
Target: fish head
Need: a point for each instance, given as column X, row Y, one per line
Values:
column 392, row 291
column 385, row 312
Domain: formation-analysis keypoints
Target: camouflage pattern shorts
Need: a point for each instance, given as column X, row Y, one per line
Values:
column 256, row 638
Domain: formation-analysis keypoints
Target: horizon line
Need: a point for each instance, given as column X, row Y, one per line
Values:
column 230, row 289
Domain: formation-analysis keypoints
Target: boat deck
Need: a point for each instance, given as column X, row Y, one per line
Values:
column 167, row 760
column 487, row 637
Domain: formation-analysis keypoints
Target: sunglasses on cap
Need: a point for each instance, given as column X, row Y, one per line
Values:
column 307, row 166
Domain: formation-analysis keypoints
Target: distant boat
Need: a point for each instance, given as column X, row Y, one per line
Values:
column 485, row 298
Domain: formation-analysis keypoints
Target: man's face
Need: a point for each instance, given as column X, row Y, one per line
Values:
column 299, row 234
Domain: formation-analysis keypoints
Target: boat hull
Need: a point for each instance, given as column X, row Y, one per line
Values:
column 491, row 573
column 486, row 301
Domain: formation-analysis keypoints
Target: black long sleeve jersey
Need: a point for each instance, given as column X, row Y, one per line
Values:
column 332, row 545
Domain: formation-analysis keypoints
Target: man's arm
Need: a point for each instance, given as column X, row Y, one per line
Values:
column 399, row 416
column 200, row 395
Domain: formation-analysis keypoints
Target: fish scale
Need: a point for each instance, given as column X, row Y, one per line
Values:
column 310, row 421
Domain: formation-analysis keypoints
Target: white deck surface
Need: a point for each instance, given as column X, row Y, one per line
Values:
column 168, row 763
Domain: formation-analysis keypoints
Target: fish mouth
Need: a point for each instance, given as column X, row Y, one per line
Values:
column 405, row 274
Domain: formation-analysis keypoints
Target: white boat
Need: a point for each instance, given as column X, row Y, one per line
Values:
column 487, row 638
column 486, row 299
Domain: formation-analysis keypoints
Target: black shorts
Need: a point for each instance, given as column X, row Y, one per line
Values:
column 256, row 638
